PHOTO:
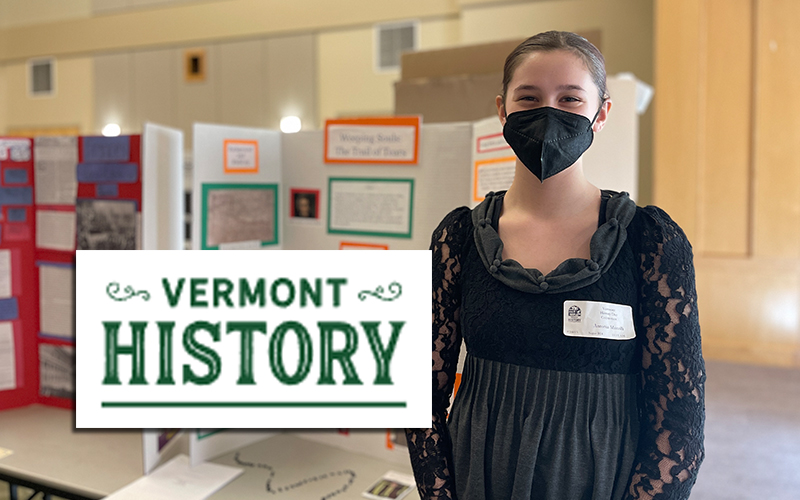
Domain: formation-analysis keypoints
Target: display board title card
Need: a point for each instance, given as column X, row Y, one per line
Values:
column 250, row 339
column 373, row 140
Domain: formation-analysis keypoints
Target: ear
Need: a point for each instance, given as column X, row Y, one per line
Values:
column 501, row 109
column 602, row 116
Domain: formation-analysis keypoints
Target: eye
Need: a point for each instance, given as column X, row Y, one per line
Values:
column 527, row 98
column 570, row 99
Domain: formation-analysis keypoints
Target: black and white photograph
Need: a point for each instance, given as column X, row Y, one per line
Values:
column 106, row 224
column 56, row 371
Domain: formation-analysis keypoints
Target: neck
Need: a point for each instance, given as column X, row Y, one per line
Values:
column 564, row 195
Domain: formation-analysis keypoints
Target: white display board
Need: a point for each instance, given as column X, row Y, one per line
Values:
column 236, row 195
column 440, row 182
column 207, row 444
column 162, row 188
column 160, row 445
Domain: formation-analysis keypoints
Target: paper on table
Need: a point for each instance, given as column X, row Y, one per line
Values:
column 5, row 274
column 55, row 230
column 8, row 369
column 176, row 479
column 55, row 159
column 394, row 485
column 57, row 301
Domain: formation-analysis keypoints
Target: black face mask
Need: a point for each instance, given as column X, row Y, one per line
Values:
column 548, row 140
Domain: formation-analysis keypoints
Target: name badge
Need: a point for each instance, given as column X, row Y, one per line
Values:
column 598, row 320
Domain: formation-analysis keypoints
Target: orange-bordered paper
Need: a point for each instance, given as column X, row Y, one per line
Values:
column 352, row 245
column 389, row 140
column 490, row 143
column 494, row 174
column 240, row 156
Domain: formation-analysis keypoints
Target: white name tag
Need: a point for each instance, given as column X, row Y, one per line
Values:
column 598, row 320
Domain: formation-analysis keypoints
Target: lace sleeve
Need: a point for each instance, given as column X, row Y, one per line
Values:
column 431, row 449
column 673, row 378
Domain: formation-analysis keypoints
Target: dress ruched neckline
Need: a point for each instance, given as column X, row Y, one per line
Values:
column 571, row 274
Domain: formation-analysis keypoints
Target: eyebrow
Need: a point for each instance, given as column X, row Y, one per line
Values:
column 560, row 87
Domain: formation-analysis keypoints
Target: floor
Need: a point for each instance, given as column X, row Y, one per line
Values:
column 752, row 435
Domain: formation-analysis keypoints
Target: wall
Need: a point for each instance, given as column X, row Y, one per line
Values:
column 115, row 6
column 248, row 83
column 726, row 168
column 348, row 83
column 3, row 99
column 30, row 12
column 72, row 105
column 205, row 22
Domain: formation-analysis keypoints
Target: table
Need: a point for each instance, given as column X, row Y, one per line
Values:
column 296, row 468
column 51, row 456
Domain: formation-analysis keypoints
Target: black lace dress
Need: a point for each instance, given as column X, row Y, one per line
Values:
column 543, row 415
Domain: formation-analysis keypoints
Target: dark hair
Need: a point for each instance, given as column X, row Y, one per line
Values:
column 559, row 40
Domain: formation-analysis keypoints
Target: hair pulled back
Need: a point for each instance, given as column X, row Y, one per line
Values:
column 559, row 40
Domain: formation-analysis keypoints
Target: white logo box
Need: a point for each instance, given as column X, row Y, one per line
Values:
column 208, row 353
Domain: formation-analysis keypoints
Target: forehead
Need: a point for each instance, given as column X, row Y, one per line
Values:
column 556, row 67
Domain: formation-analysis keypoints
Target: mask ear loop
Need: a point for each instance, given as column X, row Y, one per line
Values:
column 598, row 112
column 596, row 115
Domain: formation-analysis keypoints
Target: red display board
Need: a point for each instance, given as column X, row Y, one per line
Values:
column 57, row 195
column 19, row 287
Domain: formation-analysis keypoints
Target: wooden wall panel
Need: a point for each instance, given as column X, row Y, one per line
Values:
column 677, row 101
column 750, row 309
column 727, row 122
column 777, row 130
column 724, row 200
column 703, row 120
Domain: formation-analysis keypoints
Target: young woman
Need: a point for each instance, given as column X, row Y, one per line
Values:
column 583, row 378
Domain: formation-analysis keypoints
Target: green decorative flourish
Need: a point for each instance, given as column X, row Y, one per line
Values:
column 128, row 292
column 394, row 288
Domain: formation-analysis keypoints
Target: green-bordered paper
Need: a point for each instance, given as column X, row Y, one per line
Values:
column 233, row 213
column 372, row 207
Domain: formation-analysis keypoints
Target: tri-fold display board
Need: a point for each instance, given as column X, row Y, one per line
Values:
column 358, row 184
column 59, row 195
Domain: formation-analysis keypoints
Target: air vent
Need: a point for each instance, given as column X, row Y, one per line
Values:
column 42, row 77
column 391, row 40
